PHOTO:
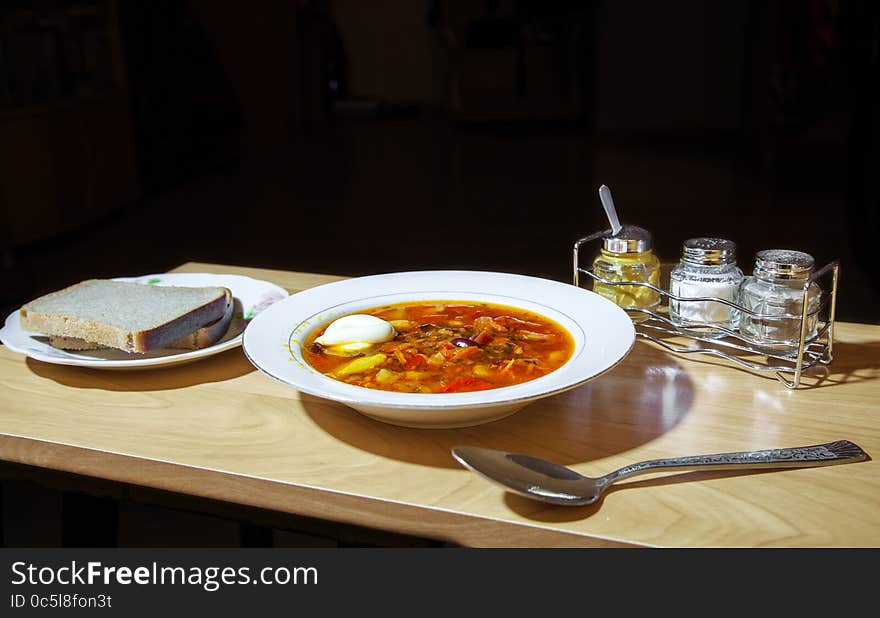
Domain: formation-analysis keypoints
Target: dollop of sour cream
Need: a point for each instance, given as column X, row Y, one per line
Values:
column 352, row 333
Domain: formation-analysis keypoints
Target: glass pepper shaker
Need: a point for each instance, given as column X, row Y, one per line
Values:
column 628, row 256
column 707, row 269
column 776, row 288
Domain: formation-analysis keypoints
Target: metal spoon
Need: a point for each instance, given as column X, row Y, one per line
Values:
column 610, row 211
column 546, row 481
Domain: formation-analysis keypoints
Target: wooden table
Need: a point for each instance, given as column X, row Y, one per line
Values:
column 220, row 429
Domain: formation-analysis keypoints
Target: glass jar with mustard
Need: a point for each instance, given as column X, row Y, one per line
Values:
column 628, row 256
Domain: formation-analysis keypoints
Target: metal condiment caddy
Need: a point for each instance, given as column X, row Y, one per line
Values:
column 653, row 324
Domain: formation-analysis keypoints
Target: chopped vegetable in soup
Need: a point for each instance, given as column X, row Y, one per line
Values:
column 446, row 347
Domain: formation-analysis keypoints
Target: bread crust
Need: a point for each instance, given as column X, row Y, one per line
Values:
column 209, row 334
column 102, row 334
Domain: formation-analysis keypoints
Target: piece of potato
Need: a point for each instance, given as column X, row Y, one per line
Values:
column 402, row 326
column 360, row 365
column 383, row 376
column 482, row 371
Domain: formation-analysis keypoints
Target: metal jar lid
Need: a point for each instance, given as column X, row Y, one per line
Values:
column 630, row 239
column 783, row 264
column 708, row 251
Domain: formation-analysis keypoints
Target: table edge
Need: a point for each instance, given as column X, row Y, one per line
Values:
column 441, row 524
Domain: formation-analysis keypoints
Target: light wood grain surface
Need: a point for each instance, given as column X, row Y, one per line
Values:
column 220, row 429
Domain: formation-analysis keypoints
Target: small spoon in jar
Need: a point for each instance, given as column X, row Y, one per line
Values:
column 610, row 211
column 546, row 481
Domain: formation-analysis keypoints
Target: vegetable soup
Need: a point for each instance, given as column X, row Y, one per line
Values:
column 448, row 347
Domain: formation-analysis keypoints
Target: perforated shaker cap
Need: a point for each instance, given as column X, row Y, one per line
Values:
column 708, row 251
column 783, row 264
column 630, row 239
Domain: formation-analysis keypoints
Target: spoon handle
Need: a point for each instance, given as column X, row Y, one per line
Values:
column 796, row 457
column 610, row 210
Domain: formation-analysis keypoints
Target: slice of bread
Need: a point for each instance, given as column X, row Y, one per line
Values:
column 128, row 316
column 203, row 337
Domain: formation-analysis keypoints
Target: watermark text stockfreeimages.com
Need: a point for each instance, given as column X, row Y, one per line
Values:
column 210, row 578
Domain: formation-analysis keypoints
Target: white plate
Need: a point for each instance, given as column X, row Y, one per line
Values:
column 251, row 296
column 602, row 331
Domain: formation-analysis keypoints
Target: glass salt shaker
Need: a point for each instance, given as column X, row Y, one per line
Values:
column 628, row 256
column 707, row 269
column 776, row 288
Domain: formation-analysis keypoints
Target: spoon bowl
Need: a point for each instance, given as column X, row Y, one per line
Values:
column 546, row 481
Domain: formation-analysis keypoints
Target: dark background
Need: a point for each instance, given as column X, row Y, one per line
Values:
column 356, row 137
column 353, row 137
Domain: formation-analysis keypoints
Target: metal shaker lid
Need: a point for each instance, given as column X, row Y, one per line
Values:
column 630, row 239
column 783, row 264
column 708, row 251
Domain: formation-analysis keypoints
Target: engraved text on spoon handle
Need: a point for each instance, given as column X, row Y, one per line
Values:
column 803, row 456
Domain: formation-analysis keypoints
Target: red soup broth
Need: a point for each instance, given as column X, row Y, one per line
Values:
column 450, row 347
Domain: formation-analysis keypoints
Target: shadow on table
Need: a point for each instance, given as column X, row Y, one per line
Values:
column 853, row 362
column 217, row 368
column 551, row 513
column 639, row 400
